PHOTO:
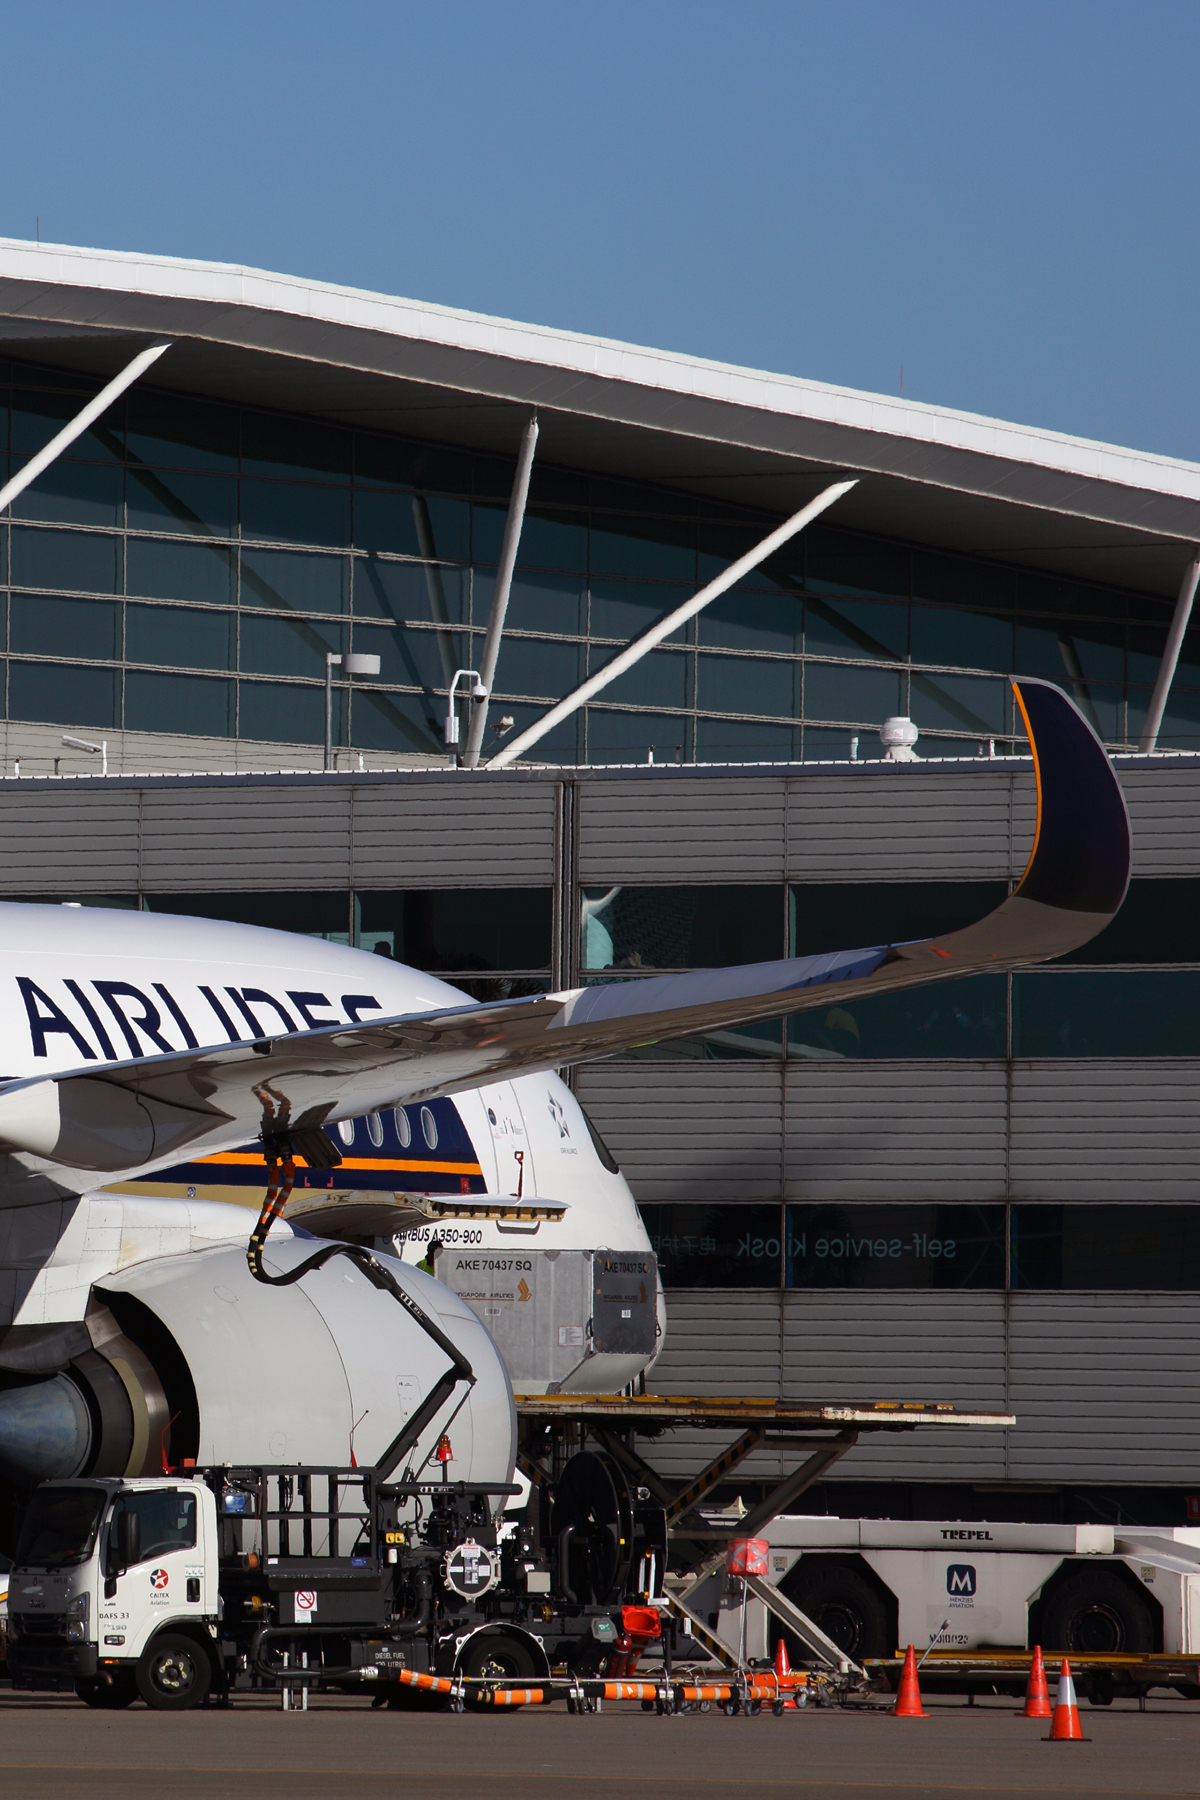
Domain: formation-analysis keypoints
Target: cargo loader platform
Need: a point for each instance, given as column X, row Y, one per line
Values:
column 692, row 1409
column 826, row 1430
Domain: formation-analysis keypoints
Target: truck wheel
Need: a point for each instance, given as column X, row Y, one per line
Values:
column 174, row 1674
column 1095, row 1612
column 120, row 1691
column 496, row 1656
column 844, row 1604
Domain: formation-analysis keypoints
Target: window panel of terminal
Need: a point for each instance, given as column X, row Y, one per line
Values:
column 169, row 499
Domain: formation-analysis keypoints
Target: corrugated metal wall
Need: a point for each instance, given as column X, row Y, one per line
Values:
column 1106, row 1130
column 898, row 825
column 190, row 836
column 680, row 829
column 690, row 1130
column 1102, row 1130
column 894, row 1131
column 1104, row 1385
column 442, row 829
column 1164, row 815
column 844, row 1346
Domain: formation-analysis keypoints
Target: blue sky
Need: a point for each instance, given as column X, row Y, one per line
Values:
column 999, row 199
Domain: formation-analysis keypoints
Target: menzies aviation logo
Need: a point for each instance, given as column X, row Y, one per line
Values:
column 960, row 1581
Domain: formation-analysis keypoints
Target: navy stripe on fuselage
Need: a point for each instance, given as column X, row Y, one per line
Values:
column 423, row 1149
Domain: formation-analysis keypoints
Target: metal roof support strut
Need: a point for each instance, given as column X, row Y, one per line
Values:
column 634, row 652
column 1170, row 661
column 103, row 400
column 500, row 593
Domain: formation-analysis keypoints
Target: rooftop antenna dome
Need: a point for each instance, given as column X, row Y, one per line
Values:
column 898, row 737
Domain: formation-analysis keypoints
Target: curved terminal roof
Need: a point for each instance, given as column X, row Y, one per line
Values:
column 928, row 474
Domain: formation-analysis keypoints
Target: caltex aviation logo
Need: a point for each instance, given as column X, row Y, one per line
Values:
column 159, row 1578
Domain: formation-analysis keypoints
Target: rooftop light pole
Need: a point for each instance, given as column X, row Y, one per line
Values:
column 78, row 743
column 351, row 664
column 633, row 653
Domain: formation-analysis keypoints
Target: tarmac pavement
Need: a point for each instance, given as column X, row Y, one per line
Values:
column 53, row 1745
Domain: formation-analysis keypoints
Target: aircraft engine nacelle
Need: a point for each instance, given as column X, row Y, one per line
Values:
column 188, row 1357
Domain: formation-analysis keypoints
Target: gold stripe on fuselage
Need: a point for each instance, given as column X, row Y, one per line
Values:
column 237, row 1159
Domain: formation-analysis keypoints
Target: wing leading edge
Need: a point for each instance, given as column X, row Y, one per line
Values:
column 137, row 1114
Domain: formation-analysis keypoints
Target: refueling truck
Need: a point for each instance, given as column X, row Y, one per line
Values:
column 185, row 1587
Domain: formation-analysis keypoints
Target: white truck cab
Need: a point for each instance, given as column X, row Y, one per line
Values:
column 114, row 1592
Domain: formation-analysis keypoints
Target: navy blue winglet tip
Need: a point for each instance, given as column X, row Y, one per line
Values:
column 1081, row 854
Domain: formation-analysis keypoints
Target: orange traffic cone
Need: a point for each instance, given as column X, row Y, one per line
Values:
column 784, row 1680
column 1065, row 1726
column 908, row 1699
column 1037, row 1694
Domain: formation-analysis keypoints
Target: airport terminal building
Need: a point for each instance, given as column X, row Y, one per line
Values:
column 984, row 1192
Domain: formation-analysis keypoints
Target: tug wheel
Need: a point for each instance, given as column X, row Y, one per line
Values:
column 174, row 1674
column 843, row 1600
column 1098, row 1611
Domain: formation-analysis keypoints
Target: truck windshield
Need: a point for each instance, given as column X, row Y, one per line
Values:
column 60, row 1527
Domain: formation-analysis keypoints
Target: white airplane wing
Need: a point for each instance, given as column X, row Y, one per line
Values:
column 141, row 1113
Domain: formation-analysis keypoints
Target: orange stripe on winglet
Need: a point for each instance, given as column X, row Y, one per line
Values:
column 1037, row 776
column 943, row 953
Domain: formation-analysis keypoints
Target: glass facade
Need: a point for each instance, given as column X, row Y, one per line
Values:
column 188, row 565
column 1130, row 992
column 494, row 943
column 1109, row 1248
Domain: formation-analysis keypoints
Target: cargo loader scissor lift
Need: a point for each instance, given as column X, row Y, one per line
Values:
column 555, row 1428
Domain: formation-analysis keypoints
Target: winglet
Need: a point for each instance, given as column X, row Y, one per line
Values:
column 1081, row 853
